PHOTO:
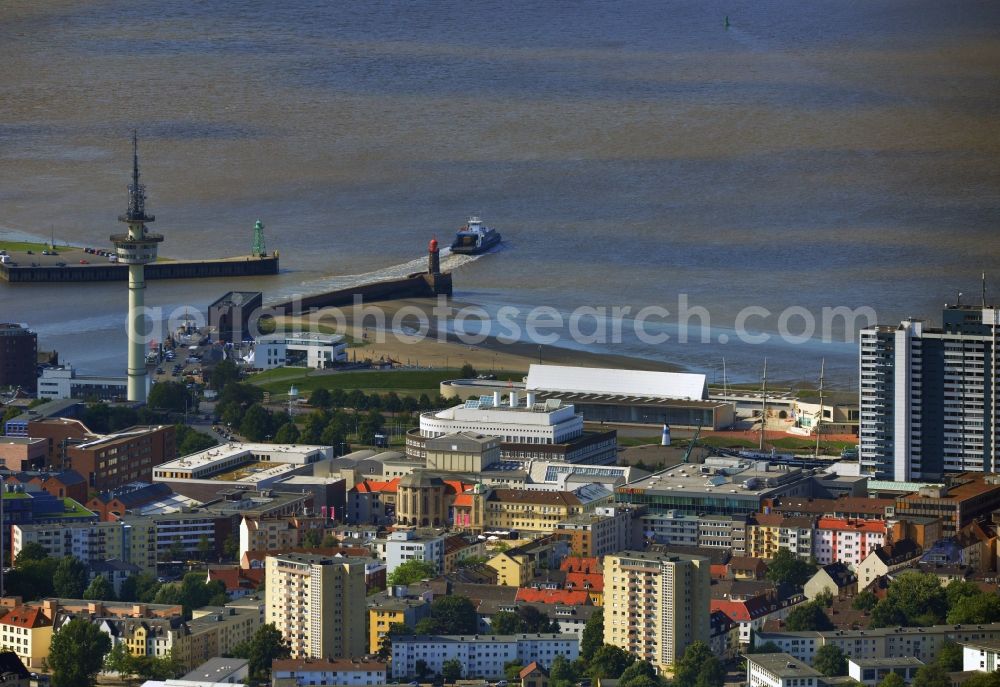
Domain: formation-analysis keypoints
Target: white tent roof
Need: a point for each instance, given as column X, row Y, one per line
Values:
column 599, row 380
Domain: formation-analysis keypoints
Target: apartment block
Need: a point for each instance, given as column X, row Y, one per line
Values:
column 480, row 655
column 656, row 604
column 766, row 533
column 923, row 643
column 839, row 540
column 318, row 604
column 929, row 395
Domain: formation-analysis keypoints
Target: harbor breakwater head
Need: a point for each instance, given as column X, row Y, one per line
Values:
column 419, row 285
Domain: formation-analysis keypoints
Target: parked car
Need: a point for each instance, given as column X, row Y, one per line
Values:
column 84, row 262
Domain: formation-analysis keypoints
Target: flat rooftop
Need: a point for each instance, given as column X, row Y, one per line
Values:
column 783, row 665
column 218, row 455
column 719, row 475
column 901, row 661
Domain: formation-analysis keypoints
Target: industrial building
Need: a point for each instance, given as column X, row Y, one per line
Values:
column 65, row 382
column 929, row 396
column 613, row 395
column 18, row 357
column 232, row 316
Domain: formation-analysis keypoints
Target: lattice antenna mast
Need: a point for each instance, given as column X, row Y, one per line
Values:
column 136, row 191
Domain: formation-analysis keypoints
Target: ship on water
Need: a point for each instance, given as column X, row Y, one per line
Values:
column 475, row 238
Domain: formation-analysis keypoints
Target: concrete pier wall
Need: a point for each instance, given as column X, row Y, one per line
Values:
column 174, row 269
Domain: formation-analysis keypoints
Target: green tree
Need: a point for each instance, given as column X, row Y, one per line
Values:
column 392, row 403
column 807, row 617
column 561, row 672
column 698, row 667
column 9, row 413
column 169, row 396
column 288, row 433
column 506, row 623
column 913, row 599
column 119, row 661
column 786, row 568
column 312, row 539
column 959, row 589
column 991, row 679
column 32, row 579
column 427, row 626
column 235, row 399
column 981, row 608
column 931, row 675
column 231, row 548
column 950, row 656
column 157, row 667
column 256, row 423
column 189, row 440
column 830, row 660
column 320, row 399
column 421, row 669
column 457, row 613
column 533, row 620
column 639, row 669
column 512, row 671
column 467, row 372
column 892, row 680
column 205, row 548
column 372, row 423
column 193, row 592
column 609, row 662
column 223, row 374
column 312, row 428
column 451, row 670
column 32, row 551
column 99, row 590
column 765, row 648
column 593, row 635
column 69, row 579
column 266, row 645
column 76, row 653
column 864, row 601
column 412, row 571
column 141, row 587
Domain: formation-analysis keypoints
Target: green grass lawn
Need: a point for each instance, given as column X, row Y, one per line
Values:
column 27, row 245
column 407, row 382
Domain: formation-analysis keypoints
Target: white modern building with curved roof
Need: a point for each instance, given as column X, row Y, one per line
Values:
column 616, row 382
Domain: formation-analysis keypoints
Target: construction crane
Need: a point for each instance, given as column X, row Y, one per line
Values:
column 694, row 440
